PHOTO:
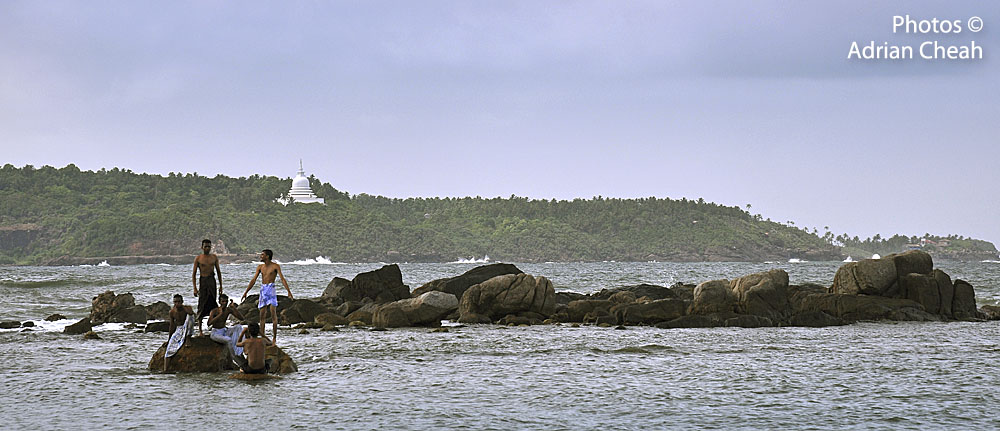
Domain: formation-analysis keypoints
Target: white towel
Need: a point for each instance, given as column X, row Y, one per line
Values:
column 179, row 335
column 229, row 336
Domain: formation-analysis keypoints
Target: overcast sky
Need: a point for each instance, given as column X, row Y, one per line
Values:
column 735, row 102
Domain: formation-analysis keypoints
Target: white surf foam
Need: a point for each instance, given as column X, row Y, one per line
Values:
column 319, row 260
column 485, row 259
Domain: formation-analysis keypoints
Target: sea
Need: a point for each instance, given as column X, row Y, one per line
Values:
column 869, row 375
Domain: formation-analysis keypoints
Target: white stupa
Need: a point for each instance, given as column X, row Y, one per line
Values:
column 300, row 191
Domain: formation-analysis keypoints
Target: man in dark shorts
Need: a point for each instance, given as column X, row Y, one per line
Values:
column 254, row 348
column 204, row 287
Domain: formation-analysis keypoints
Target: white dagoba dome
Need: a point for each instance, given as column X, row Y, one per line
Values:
column 300, row 191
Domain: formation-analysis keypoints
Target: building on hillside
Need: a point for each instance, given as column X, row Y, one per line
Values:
column 300, row 191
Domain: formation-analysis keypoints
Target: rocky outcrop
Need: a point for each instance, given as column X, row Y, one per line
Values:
column 108, row 307
column 577, row 310
column 330, row 319
column 641, row 290
column 649, row 312
column 202, row 355
column 854, row 308
column 425, row 310
column 459, row 284
column 506, row 294
column 382, row 286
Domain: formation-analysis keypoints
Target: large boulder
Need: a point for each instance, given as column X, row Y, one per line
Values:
column 868, row 277
column 648, row 290
column 963, row 305
column 459, row 284
column 108, row 307
column 946, row 289
column 197, row 355
column 763, row 294
column 335, row 286
column 382, row 286
column 912, row 262
column 302, row 310
column 713, row 297
column 648, row 313
column 202, row 355
column 158, row 310
column 425, row 310
column 922, row 289
column 507, row 294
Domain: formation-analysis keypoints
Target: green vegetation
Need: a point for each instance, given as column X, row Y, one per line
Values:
column 47, row 213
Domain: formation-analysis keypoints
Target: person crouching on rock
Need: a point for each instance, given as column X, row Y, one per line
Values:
column 181, row 328
column 254, row 348
column 220, row 333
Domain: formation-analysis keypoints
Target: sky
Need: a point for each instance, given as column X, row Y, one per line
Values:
column 735, row 102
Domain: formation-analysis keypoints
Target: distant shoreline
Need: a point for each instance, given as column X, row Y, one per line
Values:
column 252, row 258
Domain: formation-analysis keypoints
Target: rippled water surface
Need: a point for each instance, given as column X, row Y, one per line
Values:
column 867, row 375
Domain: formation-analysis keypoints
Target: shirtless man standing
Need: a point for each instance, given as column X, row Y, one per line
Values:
column 204, row 287
column 268, row 298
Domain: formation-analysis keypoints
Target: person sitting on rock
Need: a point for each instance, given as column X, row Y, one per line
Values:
column 181, row 328
column 254, row 348
column 220, row 333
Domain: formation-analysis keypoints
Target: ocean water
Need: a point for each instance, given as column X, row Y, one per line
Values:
column 881, row 375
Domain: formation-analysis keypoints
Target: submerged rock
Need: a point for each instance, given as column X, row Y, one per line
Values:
column 78, row 328
column 10, row 324
column 91, row 335
column 157, row 327
column 55, row 317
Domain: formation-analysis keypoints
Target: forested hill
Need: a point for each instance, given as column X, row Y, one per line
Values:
column 50, row 215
